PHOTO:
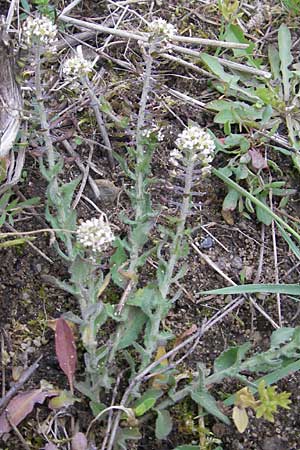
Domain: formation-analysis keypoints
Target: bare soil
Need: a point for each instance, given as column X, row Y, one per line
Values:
column 27, row 300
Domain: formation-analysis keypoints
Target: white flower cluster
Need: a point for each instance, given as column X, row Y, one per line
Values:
column 156, row 130
column 194, row 139
column 95, row 234
column 76, row 67
column 160, row 27
column 39, row 30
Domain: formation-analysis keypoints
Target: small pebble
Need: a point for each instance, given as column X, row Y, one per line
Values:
column 207, row 243
column 237, row 262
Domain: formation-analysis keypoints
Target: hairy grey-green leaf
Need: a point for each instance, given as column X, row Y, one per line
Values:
column 208, row 402
column 133, row 327
column 281, row 336
column 163, row 424
column 231, row 357
column 286, row 58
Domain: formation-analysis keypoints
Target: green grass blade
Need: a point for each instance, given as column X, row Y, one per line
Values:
column 293, row 247
column 289, row 289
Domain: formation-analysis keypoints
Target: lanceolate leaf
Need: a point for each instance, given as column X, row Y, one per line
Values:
column 208, row 402
column 285, row 44
column 163, row 424
column 65, row 350
column 20, row 406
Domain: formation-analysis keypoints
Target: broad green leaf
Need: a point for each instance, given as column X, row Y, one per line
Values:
column 124, row 166
column 234, row 33
column 267, row 95
column 150, row 393
column 225, row 116
column 286, row 58
column 140, row 233
column 118, row 258
column 143, row 407
column 126, row 434
column 289, row 289
column 241, row 172
column 80, row 271
column 133, row 327
column 147, row 299
column 230, row 200
column 25, row 5
column 281, row 336
column 163, row 424
column 67, row 190
column 231, row 357
column 296, row 160
column 215, row 67
column 274, row 61
column 208, row 402
column 262, row 215
column 237, row 140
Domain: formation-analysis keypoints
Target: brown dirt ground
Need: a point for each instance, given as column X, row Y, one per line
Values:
column 27, row 301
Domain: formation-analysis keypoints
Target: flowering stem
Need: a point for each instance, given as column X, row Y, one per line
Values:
column 42, row 112
column 139, row 135
column 140, row 203
column 45, row 130
column 140, row 177
column 100, row 121
column 175, row 247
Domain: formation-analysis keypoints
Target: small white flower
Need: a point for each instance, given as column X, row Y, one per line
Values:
column 156, row 130
column 95, row 234
column 160, row 27
column 196, row 144
column 176, row 156
column 76, row 67
column 39, row 30
column 199, row 141
column 206, row 171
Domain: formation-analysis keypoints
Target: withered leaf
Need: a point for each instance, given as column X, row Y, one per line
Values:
column 79, row 442
column 240, row 418
column 50, row 446
column 22, row 405
column 65, row 349
column 257, row 159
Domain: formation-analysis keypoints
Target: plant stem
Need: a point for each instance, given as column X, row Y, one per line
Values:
column 100, row 121
column 42, row 111
column 45, row 130
column 140, row 200
column 175, row 247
